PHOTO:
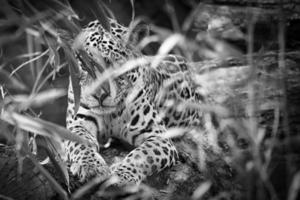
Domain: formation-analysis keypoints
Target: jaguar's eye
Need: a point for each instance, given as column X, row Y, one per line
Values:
column 90, row 25
column 63, row 72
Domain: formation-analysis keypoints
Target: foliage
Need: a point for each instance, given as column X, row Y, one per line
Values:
column 36, row 45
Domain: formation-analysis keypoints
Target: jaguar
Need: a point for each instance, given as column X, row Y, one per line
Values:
column 146, row 103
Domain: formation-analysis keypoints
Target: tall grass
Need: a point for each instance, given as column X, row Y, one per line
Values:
column 239, row 88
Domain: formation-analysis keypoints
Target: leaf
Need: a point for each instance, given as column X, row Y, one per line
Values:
column 88, row 64
column 52, row 149
column 29, row 61
column 100, row 14
column 170, row 43
column 36, row 100
column 112, row 73
column 166, row 47
column 133, row 10
column 76, row 88
column 74, row 76
column 11, row 82
column 201, row 190
column 175, row 132
column 39, row 77
column 219, row 49
column 188, row 21
column 54, row 57
column 41, row 127
column 67, row 9
column 137, row 31
column 219, row 110
column 294, row 188
column 63, row 194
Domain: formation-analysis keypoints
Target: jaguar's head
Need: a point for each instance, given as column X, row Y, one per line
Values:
column 103, row 46
column 98, row 49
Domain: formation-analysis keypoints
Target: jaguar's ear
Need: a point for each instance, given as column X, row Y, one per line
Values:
column 138, row 30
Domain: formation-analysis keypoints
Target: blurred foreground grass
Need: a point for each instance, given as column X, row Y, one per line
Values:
column 253, row 84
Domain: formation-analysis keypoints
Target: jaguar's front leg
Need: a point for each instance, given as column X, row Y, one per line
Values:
column 143, row 129
column 84, row 160
column 153, row 155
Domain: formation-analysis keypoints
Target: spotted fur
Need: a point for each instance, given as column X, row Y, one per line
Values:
column 141, row 116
